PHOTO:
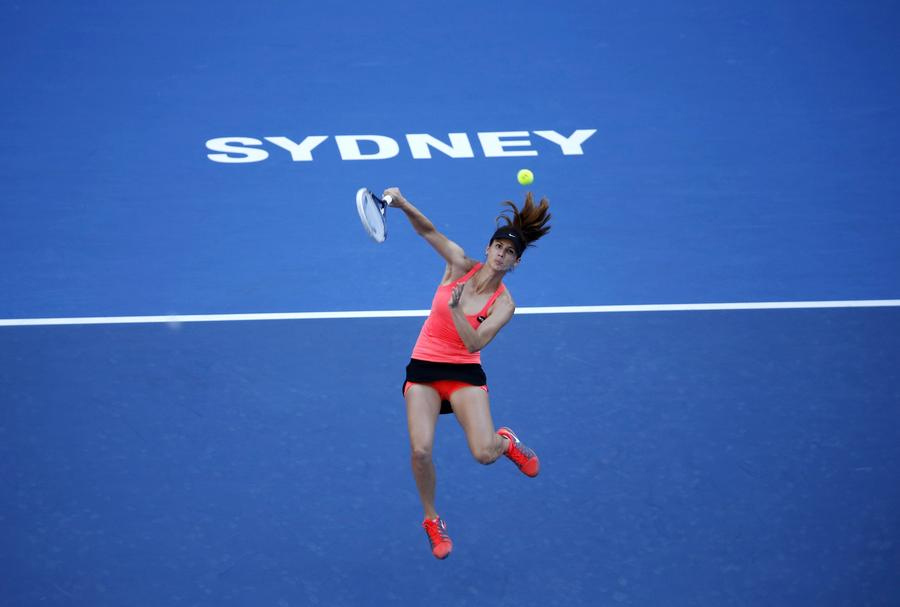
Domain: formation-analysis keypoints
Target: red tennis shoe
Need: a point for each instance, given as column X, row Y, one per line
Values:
column 436, row 530
column 520, row 454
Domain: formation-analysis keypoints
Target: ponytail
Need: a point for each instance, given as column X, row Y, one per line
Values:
column 530, row 222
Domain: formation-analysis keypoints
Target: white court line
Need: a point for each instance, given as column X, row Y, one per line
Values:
column 176, row 319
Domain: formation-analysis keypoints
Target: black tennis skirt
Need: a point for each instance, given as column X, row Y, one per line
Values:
column 424, row 371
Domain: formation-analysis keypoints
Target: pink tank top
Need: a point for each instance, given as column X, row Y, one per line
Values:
column 439, row 340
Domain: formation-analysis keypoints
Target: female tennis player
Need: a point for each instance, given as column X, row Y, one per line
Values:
column 470, row 306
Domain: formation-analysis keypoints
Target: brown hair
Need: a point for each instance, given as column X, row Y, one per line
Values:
column 530, row 221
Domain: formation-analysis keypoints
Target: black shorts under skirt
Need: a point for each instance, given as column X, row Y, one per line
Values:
column 424, row 371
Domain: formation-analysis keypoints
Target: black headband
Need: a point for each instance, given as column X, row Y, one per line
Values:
column 512, row 234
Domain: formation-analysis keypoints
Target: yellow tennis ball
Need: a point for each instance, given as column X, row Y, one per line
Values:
column 525, row 177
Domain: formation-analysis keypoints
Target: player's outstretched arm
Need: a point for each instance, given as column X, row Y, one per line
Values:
column 453, row 254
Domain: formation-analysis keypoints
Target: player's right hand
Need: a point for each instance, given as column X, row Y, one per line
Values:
column 397, row 199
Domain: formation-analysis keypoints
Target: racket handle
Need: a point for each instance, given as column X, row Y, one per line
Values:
column 388, row 200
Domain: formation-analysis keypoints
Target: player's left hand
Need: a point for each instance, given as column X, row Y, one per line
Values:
column 456, row 295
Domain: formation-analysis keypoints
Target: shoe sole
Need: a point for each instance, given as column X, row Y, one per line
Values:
column 446, row 554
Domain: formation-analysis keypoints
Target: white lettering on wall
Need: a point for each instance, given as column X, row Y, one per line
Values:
column 571, row 145
column 300, row 152
column 348, row 145
column 494, row 144
column 459, row 147
column 227, row 146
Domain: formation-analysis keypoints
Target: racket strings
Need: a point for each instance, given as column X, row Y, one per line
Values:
column 372, row 214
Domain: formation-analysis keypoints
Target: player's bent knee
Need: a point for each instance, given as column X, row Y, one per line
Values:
column 484, row 456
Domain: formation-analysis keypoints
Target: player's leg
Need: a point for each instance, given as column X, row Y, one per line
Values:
column 423, row 405
column 473, row 412
column 472, row 408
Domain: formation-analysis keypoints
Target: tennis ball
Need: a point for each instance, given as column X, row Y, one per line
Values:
column 525, row 177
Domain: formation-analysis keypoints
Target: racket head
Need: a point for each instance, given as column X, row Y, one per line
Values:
column 371, row 213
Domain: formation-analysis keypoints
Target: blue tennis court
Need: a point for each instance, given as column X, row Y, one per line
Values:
column 201, row 352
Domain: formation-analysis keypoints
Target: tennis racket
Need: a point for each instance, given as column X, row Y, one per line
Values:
column 372, row 213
